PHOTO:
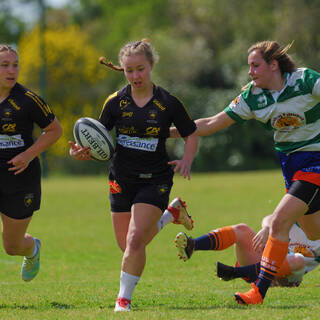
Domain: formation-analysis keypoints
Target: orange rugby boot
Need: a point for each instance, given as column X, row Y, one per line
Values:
column 253, row 296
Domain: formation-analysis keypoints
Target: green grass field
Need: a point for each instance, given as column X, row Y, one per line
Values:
column 80, row 261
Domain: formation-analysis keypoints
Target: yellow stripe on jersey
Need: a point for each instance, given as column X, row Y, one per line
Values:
column 44, row 107
column 106, row 101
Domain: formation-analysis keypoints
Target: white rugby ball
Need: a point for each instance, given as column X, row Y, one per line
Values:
column 90, row 132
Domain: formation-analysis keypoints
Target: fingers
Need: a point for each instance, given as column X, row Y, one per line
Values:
column 78, row 152
column 183, row 169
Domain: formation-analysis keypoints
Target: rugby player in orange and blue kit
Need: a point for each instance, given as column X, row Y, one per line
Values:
column 20, row 188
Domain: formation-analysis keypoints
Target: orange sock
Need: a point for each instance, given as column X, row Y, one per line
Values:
column 284, row 270
column 273, row 255
column 224, row 237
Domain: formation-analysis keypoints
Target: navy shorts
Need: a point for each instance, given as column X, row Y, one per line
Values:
column 20, row 195
column 124, row 195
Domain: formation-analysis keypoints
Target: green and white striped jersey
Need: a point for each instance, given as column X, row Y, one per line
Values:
column 293, row 113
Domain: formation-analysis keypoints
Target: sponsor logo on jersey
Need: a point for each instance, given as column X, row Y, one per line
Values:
column 130, row 130
column 9, row 127
column 159, row 105
column 123, row 103
column 114, row 187
column 152, row 131
column 287, row 121
column 126, row 114
column 145, row 175
column 28, row 199
column 11, row 142
column 143, row 144
column 14, row 104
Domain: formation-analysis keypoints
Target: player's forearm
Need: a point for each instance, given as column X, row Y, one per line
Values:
column 191, row 147
column 49, row 136
column 207, row 126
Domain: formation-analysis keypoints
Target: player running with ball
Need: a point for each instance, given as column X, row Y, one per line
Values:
column 141, row 175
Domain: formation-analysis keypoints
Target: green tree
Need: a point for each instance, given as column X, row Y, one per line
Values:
column 73, row 76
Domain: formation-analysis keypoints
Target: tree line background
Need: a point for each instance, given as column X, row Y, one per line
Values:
column 202, row 46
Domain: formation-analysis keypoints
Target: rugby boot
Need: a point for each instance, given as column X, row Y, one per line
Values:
column 122, row 305
column 253, row 296
column 177, row 208
column 31, row 266
column 225, row 272
column 185, row 246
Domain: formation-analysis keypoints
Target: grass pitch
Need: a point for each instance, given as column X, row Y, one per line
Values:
column 80, row 261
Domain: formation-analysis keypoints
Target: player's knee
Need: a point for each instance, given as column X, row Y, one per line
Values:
column 296, row 262
column 135, row 240
column 241, row 230
column 280, row 224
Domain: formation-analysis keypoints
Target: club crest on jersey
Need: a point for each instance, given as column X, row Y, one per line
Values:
column 162, row 189
column 28, row 199
column 123, row 103
column 6, row 114
column 287, row 121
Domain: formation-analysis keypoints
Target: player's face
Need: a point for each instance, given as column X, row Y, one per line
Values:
column 137, row 70
column 260, row 71
column 9, row 69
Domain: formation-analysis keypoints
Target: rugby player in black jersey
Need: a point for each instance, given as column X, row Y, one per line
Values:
column 141, row 175
column 20, row 188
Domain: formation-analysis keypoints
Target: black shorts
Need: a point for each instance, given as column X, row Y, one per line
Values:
column 124, row 195
column 308, row 193
column 20, row 195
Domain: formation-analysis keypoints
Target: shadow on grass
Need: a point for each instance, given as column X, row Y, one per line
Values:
column 53, row 305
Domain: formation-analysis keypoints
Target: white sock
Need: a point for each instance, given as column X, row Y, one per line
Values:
column 127, row 284
column 166, row 218
column 34, row 252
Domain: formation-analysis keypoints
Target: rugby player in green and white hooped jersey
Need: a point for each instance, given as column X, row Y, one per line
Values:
column 287, row 100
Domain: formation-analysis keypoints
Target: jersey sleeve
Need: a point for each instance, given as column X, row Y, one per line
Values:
column 182, row 120
column 106, row 116
column 40, row 112
column 238, row 110
column 312, row 79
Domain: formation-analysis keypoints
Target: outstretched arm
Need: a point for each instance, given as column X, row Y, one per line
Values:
column 207, row 126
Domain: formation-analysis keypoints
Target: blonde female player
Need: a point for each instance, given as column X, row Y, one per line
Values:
column 20, row 172
column 141, row 175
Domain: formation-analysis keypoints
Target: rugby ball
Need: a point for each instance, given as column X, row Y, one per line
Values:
column 90, row 132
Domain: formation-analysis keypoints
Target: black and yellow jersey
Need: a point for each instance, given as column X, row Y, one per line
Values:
column 18, row 113
column 141, row 133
